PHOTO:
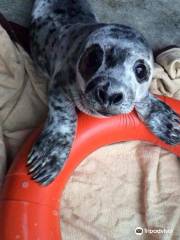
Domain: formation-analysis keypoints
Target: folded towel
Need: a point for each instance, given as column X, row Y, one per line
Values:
column 167, row 74
column 23, row 95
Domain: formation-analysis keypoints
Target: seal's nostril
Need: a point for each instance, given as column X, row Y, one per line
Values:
column 101, row 96
column 116, row 98
column 106, row 86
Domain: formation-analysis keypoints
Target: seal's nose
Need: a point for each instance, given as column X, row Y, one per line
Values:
column 105, row 97
column 116, row 98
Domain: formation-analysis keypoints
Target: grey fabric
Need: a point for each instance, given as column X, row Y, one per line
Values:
column 17, row 10
column 158, row 20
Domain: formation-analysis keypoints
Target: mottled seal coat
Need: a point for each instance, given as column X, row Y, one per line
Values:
column 102, row 69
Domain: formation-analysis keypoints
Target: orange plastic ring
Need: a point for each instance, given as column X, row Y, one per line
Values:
column 29, row 211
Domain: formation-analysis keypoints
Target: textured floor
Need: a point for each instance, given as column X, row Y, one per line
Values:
column 158, row 20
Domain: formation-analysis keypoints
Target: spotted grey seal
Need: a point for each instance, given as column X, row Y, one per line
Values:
column 102, row 69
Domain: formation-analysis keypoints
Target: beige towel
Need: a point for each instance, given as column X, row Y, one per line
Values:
column 128, row 185
column 167, row 74
column 23, row 94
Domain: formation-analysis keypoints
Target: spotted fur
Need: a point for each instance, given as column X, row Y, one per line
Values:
column 102, row 69
column 160, row 118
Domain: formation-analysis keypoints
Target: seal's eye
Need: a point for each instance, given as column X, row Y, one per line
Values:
column 91, row 61
column 141, row 71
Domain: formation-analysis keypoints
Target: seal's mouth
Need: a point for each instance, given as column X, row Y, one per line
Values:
column 104, row 113
column 90, row 107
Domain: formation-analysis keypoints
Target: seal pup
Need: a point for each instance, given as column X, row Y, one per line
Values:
column 102, row 69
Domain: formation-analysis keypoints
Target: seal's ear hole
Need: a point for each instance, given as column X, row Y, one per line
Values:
column 91, row 61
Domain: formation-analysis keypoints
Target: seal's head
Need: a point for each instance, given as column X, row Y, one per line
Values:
column 114, row 71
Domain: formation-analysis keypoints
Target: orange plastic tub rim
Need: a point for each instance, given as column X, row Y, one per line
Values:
column 29, row 211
